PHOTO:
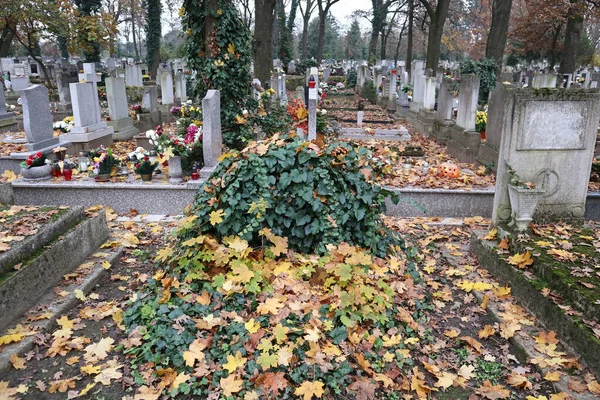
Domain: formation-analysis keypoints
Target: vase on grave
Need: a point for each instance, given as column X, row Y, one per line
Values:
column 40, row 173
column 146, row 177
column 175, row 171
column 523, row 202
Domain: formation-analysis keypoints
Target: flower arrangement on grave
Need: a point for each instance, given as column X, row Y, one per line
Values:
column 166, row 145
column 136, row 108
column 187, row 115
column 145, row 166
column 146, row 77
column 34, row 160
column 481, row 121
column 65, row 125
column 101, row 93
column 104, row 160
column 299, row 113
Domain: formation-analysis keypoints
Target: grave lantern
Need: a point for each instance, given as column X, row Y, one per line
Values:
column 311, row 82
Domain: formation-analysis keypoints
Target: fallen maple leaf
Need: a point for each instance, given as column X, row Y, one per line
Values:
column 364, row 388
column 518, row 381
column 230, row 385
column 309, row 389
column 521, row 260
column 17, row 362
column 553, row 376
column 491, row 235
column 486, row 332
column 487, row 391
column 98, row 351
column 195, row 352
column 594, row 387
column 234, row 362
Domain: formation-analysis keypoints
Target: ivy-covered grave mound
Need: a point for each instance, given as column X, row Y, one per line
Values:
column 311, row 195
column 227, row 317
column 225, row 320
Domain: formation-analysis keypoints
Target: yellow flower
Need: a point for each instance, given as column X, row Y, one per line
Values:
column 219, row 63
column 219, row 12
column 231, row 48
column 271, row 91
column 182, row 111
column 188, row 32
column 197, row 122
column 181, row 11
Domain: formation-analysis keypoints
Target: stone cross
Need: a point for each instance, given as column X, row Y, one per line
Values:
column 212, row 138
column 166, row 88
column 467, row 102
column 312, row 114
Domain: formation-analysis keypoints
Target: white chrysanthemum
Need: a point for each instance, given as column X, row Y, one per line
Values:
column 150, row 133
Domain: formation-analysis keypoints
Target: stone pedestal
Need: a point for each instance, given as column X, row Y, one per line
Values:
column 9, row 123
column 442, row 131
column 123, row 129
column 464, row 145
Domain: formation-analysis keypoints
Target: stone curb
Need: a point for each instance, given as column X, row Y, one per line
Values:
column 579, row 340
column 46, row 234
column 7, row 196
column 58, row 309
column 26, row 286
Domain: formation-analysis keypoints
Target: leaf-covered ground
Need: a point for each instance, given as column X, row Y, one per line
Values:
column 455, row 351
column 20, row 222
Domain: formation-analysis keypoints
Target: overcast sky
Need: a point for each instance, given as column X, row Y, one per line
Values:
column 342, row 11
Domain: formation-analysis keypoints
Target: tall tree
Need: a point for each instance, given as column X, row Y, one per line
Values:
column 133, row 19
column 496, row 40
column 354, row 42
column 88, row 10
column 409, row 45
column 437, row 18
column 573, row 31
column 380, row 10
column 153, row 35
column 264, row 18
column 306, row 13
column 324, row 7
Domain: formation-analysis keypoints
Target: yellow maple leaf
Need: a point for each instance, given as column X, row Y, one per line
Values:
column 164, row 254
column 239, row 245
column 491, row 234
column 252, row 326
column 451, row 333
column 309, row 389
column 216, row 217
column 270, row 306
column 231, row 48
column 412, row 340
column 87, row 388
column 181, row 378
column 106, row 264
column 502, row 292
column 521, row 260
column 79, row 295
column 594, row 387
column 17, row 362
column 234, row 362
column 241, row 273
column 553, row 376
column 230, row 385
column 486, row 332
column 9, row 175
column 65, row 322
column 90, row 369
column 445, row 380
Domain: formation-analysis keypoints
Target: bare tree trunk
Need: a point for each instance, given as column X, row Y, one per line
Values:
column 373, row 45
column 264, row 16
column 572, row 37
column 397, row 54
column 135, row 48
column 409, row 44
column 321, row 38
column 553, row 55
column 437, row 18
column 305, row 22
column 496, row 40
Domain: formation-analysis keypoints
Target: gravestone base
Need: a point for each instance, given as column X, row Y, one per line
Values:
column 391, row 105
column 123, row 129
column 424, row 122
column 206, row 172
column 442, row 131
column 86, row 141
column 402, row 110
column 415, row 107
column 8, row 124
column 488, row 156
column 165, row 113
column 464, row 145
column 12, row 98
column 151, row 120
